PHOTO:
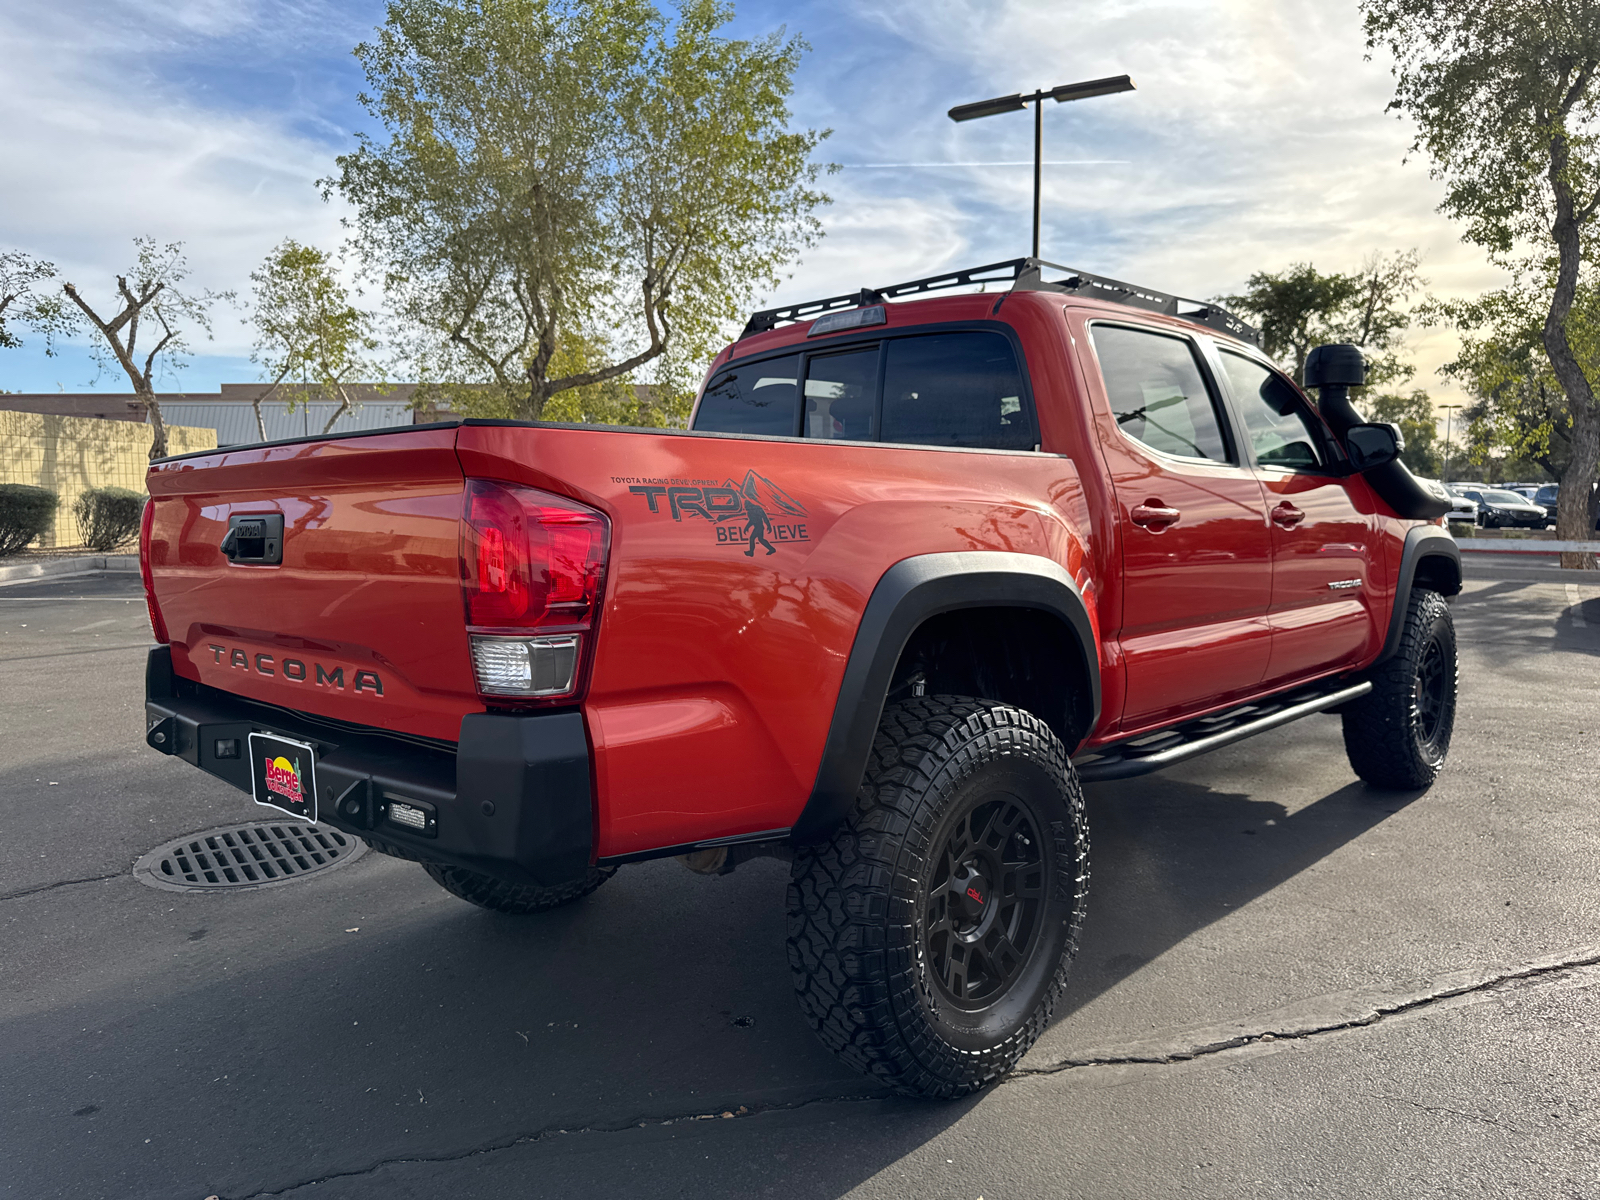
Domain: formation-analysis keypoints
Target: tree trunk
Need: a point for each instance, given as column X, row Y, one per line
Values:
column 261, row 422
column 158, row 427
column 344, row 407
column 1575, row 504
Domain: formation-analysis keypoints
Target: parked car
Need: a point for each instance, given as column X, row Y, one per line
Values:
column 1545, row 497
column 1462, row 510
column 916, row 571
column 1498, row 508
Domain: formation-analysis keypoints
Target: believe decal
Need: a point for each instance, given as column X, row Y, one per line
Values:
column 750, row 514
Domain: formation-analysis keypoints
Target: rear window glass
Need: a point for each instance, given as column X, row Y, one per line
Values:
column 1157, row 393
column 760, row 397
column 955, row 389
column 841, row 393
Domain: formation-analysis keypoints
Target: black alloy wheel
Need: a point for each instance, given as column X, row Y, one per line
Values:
column 980, row 911
column 931, row 934
column 1397, row 736
column 1434, row 694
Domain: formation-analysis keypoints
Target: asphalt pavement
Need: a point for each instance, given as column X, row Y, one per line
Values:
column 1289, row 984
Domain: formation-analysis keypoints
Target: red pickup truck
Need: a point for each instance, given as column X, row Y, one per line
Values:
column 920, row 566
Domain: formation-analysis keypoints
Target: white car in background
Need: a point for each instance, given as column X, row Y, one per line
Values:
column 1461, row 508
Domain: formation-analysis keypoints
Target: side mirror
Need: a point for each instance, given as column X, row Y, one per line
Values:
column 1372, row 445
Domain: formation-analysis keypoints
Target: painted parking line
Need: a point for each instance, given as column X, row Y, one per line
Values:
column 1576, row 600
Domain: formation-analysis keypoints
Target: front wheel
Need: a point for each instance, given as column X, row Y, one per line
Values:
column 930, row 937
column 1397, row 736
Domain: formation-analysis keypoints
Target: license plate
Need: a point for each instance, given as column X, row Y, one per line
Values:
column 283, row 775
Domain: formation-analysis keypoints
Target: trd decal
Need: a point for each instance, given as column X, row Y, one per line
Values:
column 756, row 512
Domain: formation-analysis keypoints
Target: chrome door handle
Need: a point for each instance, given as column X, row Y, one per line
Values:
column 1287, row 515
column 1154, row 515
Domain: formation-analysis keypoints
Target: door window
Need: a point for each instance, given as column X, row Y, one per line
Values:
column 1282, row 431
column 757, row 398
column 956, row 389
column 1157, row 393
column 841, row 393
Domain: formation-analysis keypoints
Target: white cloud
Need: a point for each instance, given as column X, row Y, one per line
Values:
column 100, row 148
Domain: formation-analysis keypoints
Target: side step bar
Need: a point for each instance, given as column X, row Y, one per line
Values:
column 1152, row 751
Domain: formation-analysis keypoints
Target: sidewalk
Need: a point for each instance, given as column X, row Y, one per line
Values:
column 22, row 570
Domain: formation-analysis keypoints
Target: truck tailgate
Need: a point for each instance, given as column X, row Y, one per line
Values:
column 362, row 621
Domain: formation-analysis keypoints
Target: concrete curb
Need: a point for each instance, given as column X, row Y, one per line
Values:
column 77, row 564
column 1528, row 573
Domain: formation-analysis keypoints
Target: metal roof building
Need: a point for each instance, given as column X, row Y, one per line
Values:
column 229, row 410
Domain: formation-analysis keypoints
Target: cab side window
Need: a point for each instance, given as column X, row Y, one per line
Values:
column 956, row 389
column 1282, row 431
column 761, row 397
column 1157, row 393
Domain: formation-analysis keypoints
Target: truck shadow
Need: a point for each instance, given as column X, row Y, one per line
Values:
column 1171, row 857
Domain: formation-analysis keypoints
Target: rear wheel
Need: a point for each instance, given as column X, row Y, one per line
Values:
column 518, row 899
column 1397, row 736
column 930, row 937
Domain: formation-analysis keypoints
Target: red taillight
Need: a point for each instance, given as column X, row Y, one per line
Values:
column 530, row 560
column 157, row 626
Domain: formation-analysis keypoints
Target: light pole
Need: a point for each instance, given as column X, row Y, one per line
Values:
column 1016, row 102
column 1448, row 410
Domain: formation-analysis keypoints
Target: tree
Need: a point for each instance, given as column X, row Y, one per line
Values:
column 1301, row 308
column 1519, row 413
column 1505, row 101
column 1295, row 310
column 149, row 294
column 20, row 277
column 565, row 180
column 310, row 340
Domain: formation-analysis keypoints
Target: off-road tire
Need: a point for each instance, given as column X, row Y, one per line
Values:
column 1397, row 736
column 518, row 899
column 863, row 939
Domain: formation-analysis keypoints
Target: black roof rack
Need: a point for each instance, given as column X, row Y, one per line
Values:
column 1024, row 275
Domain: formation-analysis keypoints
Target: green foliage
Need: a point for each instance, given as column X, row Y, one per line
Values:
column 108, row 516
column 569, row 190
column 1520, row 417
column 311, row 341
column 21, row 275
column 25, row 513
column 1302, row 308
column 1506, row 106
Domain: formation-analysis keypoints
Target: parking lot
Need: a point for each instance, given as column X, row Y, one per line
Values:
column 1288, row 984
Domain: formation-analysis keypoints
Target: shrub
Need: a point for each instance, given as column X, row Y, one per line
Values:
column 25, row 513
column 108, row 516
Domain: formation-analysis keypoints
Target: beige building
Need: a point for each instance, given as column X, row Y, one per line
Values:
column 70, row 454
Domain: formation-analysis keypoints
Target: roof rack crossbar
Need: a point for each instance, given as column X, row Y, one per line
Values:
column 1024, row 274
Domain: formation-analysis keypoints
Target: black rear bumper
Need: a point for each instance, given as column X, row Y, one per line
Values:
column 512, row 798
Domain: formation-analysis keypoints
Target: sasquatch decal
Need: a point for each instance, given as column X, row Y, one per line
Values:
column 749, row 514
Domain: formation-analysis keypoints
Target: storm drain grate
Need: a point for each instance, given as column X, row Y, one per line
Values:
column 258, row 854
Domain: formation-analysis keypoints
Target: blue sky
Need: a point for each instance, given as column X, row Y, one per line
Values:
column 1257, row 138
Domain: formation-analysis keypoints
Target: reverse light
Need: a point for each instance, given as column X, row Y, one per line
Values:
column 545, row 666
column 530, row 561
column 158, row 626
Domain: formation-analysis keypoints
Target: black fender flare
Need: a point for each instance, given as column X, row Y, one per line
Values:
column 1423, row 541
column 910, row 592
